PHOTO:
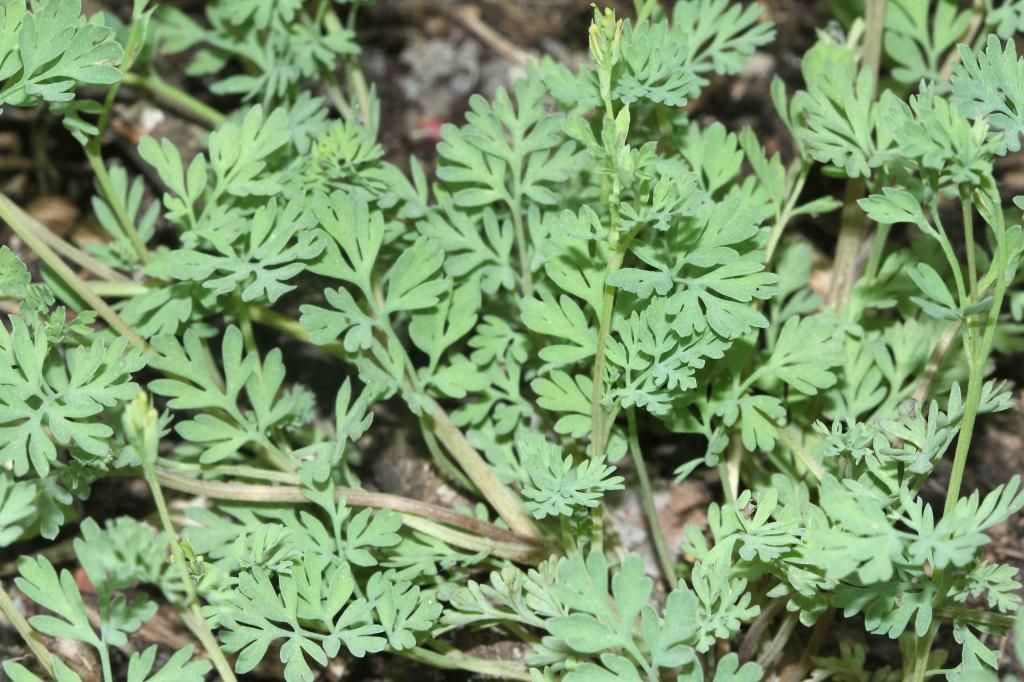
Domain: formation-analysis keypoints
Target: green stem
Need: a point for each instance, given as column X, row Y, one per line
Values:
column 668, row 568
column 644, row 10
column 108, row 674
column 81, row 258
column 196, row 623
column 337, row 96
column 786, row 213
column 353, row 73
column 454, row 660
column 14, row 617
column 525, row 275
column 508, row 543
column 977, row 359
column 291, row 327
column 854, row 223
column 178, row 556
column 471, row 542
column 239, row 470
column 967, row 210
column 92, row 153
column 29, row 230
column 245, row 324
column 949, row 253
column 971, row 402
column 778, row 642
column 922, row 653
column 108, row 105
column 977, row 617
column 441, row 459
column 723, row 474
column 179, row 99
column 598, row 429
column 852, row 228
column 877, row 251
column 978, row 353
column 808, row 461
column 598, row 414
column 500, row 496
column 874, row 28
column 276, row 457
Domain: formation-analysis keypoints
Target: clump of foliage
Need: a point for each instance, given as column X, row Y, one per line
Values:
column 590, row 264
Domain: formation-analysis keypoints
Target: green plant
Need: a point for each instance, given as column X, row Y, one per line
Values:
column 590, row 268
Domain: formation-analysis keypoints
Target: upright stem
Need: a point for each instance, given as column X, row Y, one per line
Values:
column 598, row 429
column 668, row 568
column 977, row 355
column 178, row 556
column 967, row 210
column 874, row 29
column 786, row 213
column 14, row 617
column 725, row 476
column 108, row 673
column 974, row 386
column 877, row 251
column 854, row 224
column 598, row 415
column 522, row 251
column 245, row 324
column 852, row 228
column 92, row 153
column 353, row 73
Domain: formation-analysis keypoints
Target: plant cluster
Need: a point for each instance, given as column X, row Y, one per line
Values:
column 590, row 267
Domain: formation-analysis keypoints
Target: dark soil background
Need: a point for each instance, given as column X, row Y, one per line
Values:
column 426, row 58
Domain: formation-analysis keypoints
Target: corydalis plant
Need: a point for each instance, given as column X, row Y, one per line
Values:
column 591, row 269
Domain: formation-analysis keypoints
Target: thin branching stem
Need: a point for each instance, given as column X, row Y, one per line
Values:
column 353, row 73
column 600, row 427
column 81, row 258
column 14, row 617
column 500, row 496
column 106, row 186
column 665, row 561
column 245, row 324
column 456, row 660
column 178, row 99
column 198, row 624
column 967, row 211
column 29, row 230
column 522, row 250
column 978, row 350
column 785, row 213
column 503, row 543
column 973, row 398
